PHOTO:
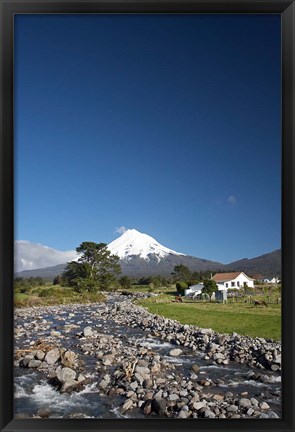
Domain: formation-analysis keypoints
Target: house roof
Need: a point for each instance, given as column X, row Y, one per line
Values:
column 224, row 277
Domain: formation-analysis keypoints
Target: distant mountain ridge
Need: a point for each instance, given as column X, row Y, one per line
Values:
column 141, row 255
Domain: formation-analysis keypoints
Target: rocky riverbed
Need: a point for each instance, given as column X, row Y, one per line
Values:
column 116, row 359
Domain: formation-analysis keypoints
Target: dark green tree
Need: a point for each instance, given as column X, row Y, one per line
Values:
column 57, row 280
column 96, row 268
column 125, row 282
column 210, row 286
column 181, row 287
column 181, row 273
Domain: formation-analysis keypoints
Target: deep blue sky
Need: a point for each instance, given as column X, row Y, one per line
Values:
column 167, row 124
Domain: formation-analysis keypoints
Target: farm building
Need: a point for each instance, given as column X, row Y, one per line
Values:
column 194, row 289
column 233, row 280
column 197, row 289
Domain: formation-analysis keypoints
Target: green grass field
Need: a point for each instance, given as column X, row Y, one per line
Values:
column 242, row 318
column 49, row 295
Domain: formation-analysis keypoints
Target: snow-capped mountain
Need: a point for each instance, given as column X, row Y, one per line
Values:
column 134, row 243
column 141, row 255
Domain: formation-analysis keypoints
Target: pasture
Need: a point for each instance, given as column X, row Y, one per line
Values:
column 242, row 318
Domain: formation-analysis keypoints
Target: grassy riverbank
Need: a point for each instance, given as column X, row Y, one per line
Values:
column 49, row 295
column 242, row 318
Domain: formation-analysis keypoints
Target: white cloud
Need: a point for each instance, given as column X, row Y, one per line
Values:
column 232, row 200
column 121, row 230
column 30, row 256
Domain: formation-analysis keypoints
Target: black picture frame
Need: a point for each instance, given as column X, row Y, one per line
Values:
column 11, row 7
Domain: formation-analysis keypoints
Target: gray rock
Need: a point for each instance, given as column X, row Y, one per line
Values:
column 34, row 363
column 183, row 414
column 142, row 370
column 27, row 359
column 88, row 331
column 134, row 385
column 52, row 356
column 195, row 368
column 66, row 374
column 245, row 403
column 232, row 408
column 209, row 414
column 159, row 406
column 139, row 378
column 175, row 352
column 147, row 409
column 40, row 355
column 198, row 405
column 173, row 397
column 264, row 406
column 69, row 385
column 127, row 405
column 275, row 367
column 44, row 412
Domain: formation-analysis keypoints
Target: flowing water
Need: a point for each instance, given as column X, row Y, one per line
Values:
column 32, row 390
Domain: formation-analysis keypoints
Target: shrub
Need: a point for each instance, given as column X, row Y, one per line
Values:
column 47, row 292
column 181, row 287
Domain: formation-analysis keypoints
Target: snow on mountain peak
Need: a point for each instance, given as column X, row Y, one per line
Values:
column 133, row 242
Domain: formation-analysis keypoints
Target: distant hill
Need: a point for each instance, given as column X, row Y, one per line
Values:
column 47, row 273
column 268, row 265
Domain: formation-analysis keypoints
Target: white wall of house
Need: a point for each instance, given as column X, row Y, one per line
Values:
column 238, row 282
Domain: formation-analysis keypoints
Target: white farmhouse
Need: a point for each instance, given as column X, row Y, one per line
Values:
column 233, row 280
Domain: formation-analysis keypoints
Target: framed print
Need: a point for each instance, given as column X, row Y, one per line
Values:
column 147, row 218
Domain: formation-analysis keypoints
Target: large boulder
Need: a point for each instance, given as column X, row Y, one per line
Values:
column 52, row 356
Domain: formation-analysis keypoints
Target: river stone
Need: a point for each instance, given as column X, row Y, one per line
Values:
column 173, row 397
column 142, row 370
column 159, row 406
column 55, row 333
column 139, row 378
column 198, row 405
column 69, row 356
column 245, row 403
column 88, row 331
column 52, row 356
column 66, row 374
column 81, row 378
column 206, row 331
column 127, row 405
column 232, row 408
column 142, row 362
column 275, row 367
column 27, row 359
column 218, row 356
column 195, row 368
column 184, row 414
column 147, row 409
column 34, row 363
column 134, row 385
column 264, row 406
column 209, row 414
column 40, row 355
column 148, row 383
column 68, row 386
column 175, row 352
column 44, row 412
column 218, row 397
